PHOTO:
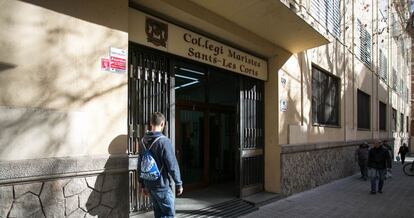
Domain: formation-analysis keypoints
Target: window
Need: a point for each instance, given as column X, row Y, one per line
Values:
column 363, row 43
column 394, row 80
column 407, row 95
column 328, row 13
column 406, row 123
column 382, row 116
column 364, row 110
column 402, row 122
column 325, row 98
column 394, row 120
column 383, row 65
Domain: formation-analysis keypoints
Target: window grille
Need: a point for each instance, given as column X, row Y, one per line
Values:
column 383, row 65
column 363, row 43
column 394, row 80
column 328, row 13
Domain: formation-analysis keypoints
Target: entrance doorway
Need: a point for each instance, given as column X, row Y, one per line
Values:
column 213, row 117
column 206, row 129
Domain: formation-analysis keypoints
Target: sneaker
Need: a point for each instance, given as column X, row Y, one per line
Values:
column 380, row 191
column 373, row 192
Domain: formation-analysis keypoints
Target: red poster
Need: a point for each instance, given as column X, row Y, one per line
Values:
column 105, row 64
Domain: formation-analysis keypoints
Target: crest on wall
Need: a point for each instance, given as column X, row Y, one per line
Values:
column 157, row 32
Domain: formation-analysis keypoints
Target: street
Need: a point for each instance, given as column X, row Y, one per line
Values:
column 348, row 197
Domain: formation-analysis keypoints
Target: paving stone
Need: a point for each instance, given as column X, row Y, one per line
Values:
column 71, row 204
column 74, row 187
column 95, row 182
column 100, row 211
column 37, row 214
column 89, row 199
column 6, row 200
column 25, row 206
column 77, row 214
column 52, row 198
column 24, row 188
column 347, row 197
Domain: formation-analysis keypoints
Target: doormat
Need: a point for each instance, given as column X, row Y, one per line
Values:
column 232, row 208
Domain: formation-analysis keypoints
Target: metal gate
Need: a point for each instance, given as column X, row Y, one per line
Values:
column 149, row 90
column 251, row 114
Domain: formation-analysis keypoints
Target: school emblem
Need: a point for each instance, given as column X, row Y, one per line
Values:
column 157, row 32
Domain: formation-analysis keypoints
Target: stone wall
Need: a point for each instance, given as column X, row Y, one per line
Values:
column 307, row 166
column 94, row 194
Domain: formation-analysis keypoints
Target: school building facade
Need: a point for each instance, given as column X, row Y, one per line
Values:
column 260, row 96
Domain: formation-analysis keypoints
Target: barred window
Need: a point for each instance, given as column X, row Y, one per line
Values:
column 407, row 94
column 394, row 120
column 406, row 123
column 383, row 65
column 364, row 110
column 394, row 80
column 328, row 13
column 382, row 116
column 325, row 98
column 363, row 43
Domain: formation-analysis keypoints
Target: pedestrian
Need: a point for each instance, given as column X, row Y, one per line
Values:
column 390, row 150
column 155, row 178
column 378, row 157
column 361, row 156
column 403, row 151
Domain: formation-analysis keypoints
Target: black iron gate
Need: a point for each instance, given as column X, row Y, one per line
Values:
column 149, row 90
column 251, row 114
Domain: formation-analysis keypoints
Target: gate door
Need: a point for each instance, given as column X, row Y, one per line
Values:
column 149, row 90
column 251, row 110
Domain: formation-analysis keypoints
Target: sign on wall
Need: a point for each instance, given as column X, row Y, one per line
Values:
column 164, row 36
column 116, row 62
column 283, row 105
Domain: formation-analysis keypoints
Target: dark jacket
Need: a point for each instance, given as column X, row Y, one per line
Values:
column 403, row 150
column 378, row 157
column 163, row 153
column 361, row 154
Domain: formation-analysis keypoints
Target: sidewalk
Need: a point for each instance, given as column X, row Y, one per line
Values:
column 348, row 197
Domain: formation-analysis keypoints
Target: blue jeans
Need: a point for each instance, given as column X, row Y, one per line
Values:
column 378, row 174
column 163, row 203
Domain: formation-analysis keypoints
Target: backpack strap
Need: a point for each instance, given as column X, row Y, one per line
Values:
column 143, row 144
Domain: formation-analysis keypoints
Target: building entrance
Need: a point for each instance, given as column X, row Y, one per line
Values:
column 213, row 117
column 206, row 129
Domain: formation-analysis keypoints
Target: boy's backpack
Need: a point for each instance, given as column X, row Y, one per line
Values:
column 149, row 168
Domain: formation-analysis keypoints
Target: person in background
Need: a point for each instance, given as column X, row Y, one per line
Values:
column 402, row 152
column 388, row 173
column 378, row 157
column 361, row 156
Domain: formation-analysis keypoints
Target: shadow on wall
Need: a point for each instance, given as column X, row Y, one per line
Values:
column 109, row 191
column 5, row 66
column 91, row 10
column 51, row 96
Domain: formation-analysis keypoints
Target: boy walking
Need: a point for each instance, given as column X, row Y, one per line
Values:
column 157, row 182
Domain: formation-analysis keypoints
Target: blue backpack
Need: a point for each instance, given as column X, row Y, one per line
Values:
column 149, row 169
